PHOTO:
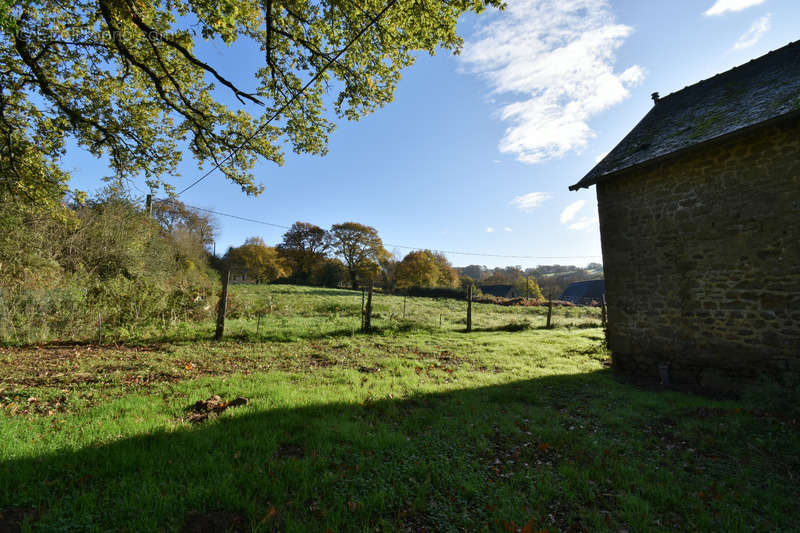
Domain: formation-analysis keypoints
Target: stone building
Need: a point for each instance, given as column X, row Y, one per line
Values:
column 700, row 224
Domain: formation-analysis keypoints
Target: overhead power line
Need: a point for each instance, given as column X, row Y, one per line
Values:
column 496, row 255
column 234, row 216
column 390, row 245
column 218, row 164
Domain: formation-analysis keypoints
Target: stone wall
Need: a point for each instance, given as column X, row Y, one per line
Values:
column 702, row 261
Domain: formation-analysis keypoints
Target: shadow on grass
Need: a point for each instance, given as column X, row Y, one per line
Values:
column 574, row 452
column 286, row 335
column 508, row 328
column 290, row 335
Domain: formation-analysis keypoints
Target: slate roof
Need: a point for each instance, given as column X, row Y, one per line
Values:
column 584, row 290
column 762, row 90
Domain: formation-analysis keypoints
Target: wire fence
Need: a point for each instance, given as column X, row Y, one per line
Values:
column 259, row 312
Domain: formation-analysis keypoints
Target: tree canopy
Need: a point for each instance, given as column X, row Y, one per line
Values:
column 528, row 287
column 257, row 260
column 423, row 268
column 125, row 79
column 361, row 250
column 304, row 246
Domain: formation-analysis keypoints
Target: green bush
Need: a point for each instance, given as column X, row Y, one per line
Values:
column 108, row 270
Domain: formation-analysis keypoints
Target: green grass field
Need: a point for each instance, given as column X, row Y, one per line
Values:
column 415, row 427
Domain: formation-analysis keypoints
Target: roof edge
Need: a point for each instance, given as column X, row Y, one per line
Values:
column 786, row 117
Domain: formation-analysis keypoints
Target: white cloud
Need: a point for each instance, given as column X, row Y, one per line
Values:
column 554, row 59
column 489, row 229
column 508, row 229
column 571, row 210
column 722, row 6
column 754, row 34
column 585, row 223
column 526, row 202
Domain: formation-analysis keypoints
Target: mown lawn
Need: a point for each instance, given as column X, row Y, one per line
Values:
column 416, row 427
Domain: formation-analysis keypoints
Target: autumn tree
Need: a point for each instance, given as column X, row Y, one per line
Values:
column 527, row 286
column 304, row 247
column 423, row 268
column 125, row 80
column 361, row 250
column 257, row 260
column 417, row 269
column 176, row 218
column 448, row 276
column 191, row 230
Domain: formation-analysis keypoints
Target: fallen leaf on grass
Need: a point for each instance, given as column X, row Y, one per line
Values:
column 271, row 513
column 202, row 409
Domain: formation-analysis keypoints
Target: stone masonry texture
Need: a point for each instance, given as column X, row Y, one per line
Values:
column 702, row 261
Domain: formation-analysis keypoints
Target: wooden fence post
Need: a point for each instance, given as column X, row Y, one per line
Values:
column 368, row 312
column 222, row 305
column 362, row 308
column 549, row 310
column 603, row 316
column 469, row 310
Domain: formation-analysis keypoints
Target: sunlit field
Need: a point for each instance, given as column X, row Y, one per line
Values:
column 417, row 426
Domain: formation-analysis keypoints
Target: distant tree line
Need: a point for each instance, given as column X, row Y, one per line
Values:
column 352, row 254
column 349, row 253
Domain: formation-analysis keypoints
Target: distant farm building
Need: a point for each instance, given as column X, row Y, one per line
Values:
column 241, row 277
column 700, row 223
column 584, row 292
column 500, row 291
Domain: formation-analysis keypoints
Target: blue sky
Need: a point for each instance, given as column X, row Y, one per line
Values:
column 477, row 151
